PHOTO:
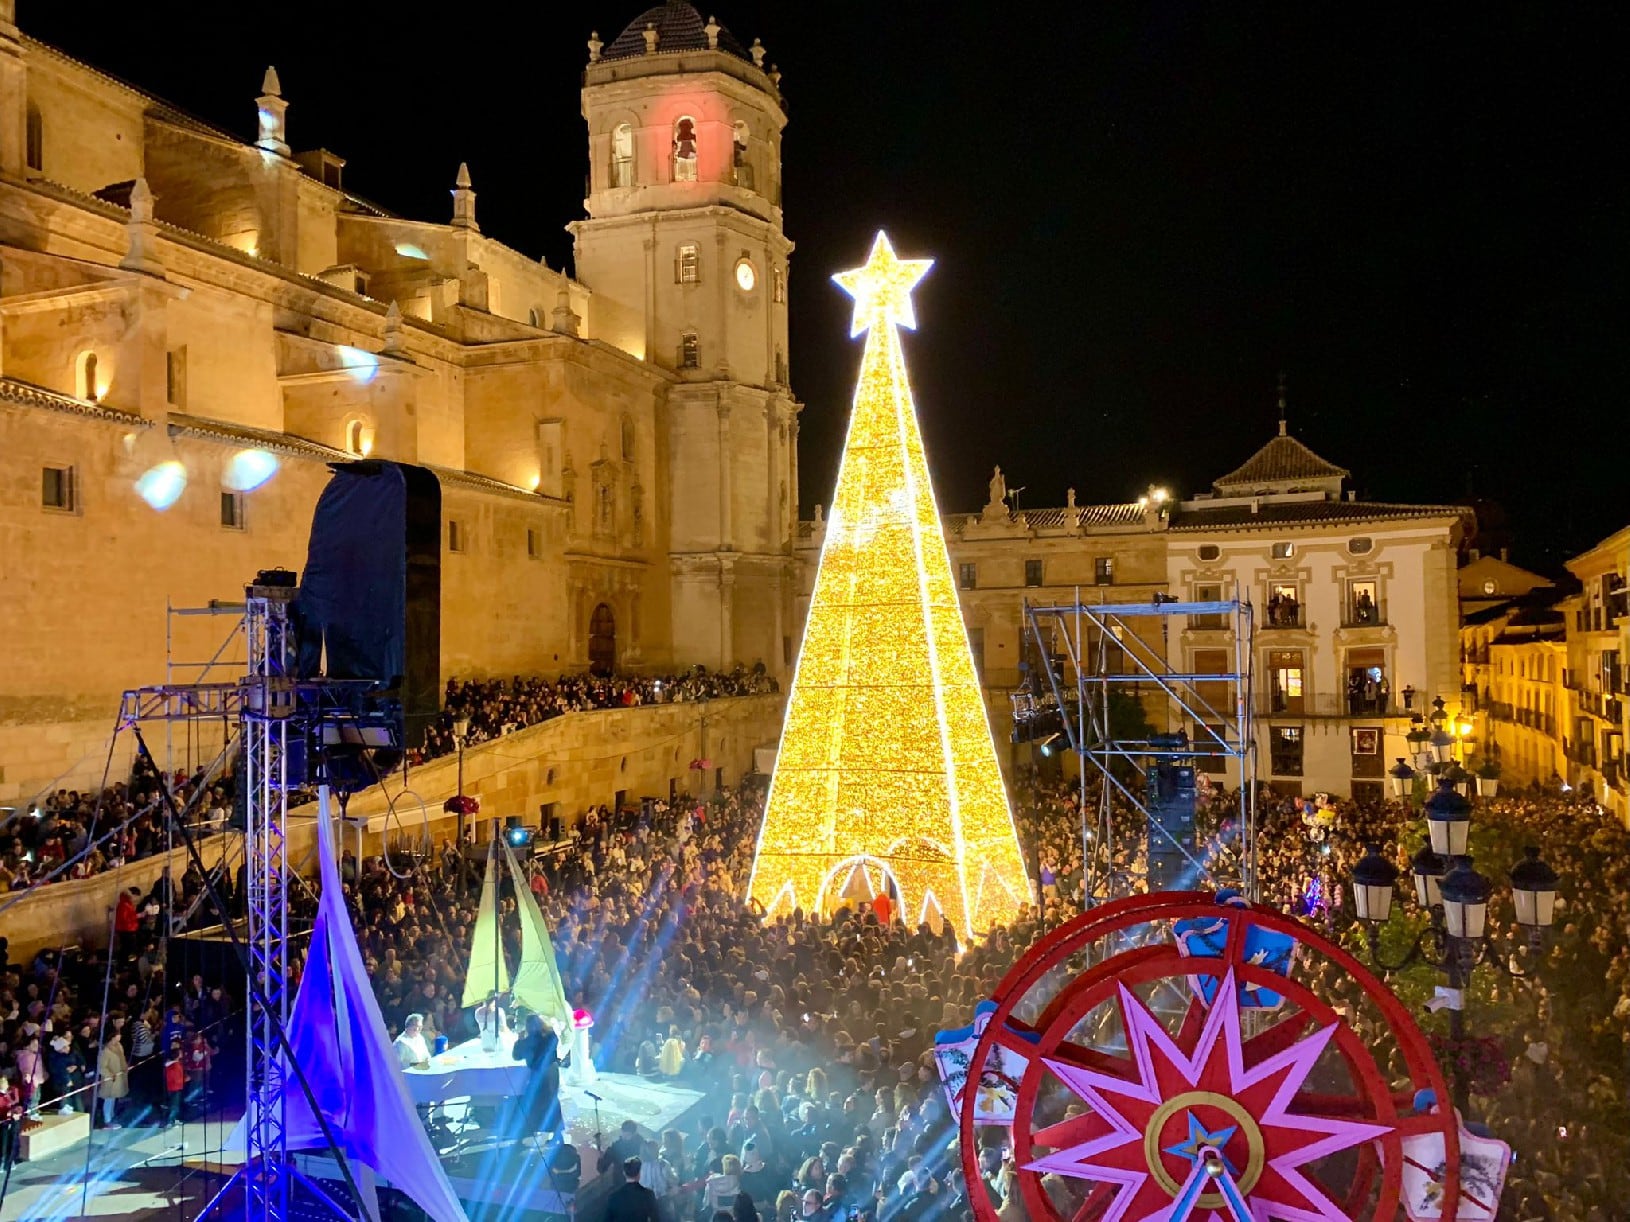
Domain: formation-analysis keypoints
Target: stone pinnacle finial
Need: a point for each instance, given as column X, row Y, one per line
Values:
column 464, row 200
column 393, row 330
column 142, row 256
column 595, row 46
column 775, row 76
column 650, row 33
column 1281, row 404
column 271, row 119
column 757, row 50
column 562, row 321
column 712, row 29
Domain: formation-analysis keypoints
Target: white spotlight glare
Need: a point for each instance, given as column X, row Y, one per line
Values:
column 248, row 469
column 162, row 485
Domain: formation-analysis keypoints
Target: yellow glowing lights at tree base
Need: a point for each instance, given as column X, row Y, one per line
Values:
column 887, row 769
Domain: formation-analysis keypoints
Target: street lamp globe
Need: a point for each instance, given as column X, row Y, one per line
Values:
column 1533, row 890
column 1448, row 819
column 1373, row 880
column 1403, row 779
column 1465, row 901
column 1426, row 868
column 461, row 729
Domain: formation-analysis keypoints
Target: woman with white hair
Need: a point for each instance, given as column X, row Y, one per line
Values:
column 411, row 1049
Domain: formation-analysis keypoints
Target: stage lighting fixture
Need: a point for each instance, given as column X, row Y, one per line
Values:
column 1050, row 746
column 518, row 837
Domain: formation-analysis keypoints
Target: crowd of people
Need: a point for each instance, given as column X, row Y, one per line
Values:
column 809, row 1036
column 492, row 708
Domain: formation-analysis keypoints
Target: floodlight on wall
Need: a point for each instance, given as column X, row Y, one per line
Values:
column 160, row 475
column 248, row 469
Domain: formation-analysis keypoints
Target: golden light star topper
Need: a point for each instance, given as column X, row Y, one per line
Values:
column 882, row 289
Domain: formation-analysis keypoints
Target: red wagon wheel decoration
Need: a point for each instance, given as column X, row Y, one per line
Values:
column 1127, row 1110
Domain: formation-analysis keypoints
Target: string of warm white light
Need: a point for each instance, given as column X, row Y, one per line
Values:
column 887, row 765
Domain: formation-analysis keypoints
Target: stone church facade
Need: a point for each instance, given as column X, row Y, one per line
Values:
column 617, row 450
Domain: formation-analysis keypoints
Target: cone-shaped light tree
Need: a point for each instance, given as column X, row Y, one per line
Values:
column 887, row 771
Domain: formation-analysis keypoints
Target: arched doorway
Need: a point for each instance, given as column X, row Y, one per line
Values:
column 602, row 640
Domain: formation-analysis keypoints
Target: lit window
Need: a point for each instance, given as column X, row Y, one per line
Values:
column 740, row 167
column 968, row 576
column 232, row 510
column 57, row 488
column 1285, row 670
column 1283, row 551
column 622, row 155
column 685, row 149
column 688, row 264
column 1286, row 750
column 1032, row 572
column 690, row 351
column 1103, row 571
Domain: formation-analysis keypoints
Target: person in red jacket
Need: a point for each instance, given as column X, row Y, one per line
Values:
column 126, row 920
column 175, row 1081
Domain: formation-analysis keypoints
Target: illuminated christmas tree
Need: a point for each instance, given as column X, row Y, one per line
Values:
column 887, row 769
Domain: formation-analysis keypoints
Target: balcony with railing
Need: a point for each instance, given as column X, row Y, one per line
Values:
column 1328, row 705
column 1364, row 613
column 1282, row 613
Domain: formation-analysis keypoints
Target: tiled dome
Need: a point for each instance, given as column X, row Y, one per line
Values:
column 679, row 27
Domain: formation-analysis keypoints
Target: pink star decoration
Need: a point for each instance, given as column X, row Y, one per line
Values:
column 1108, row 1145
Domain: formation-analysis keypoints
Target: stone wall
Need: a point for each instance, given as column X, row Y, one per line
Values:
column 574, row 762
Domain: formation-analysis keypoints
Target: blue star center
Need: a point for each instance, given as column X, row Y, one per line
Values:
column 1200, row 1140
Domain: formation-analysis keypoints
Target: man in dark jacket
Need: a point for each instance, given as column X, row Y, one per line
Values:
column 632, row 1202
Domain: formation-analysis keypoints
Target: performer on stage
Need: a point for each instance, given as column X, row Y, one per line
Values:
column 490, row 1022
column 411, row 1049
column 540, row 1106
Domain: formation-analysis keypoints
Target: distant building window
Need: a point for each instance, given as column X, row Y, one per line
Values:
column 232, row 510
column 684, row 149
column 778, row 283
column 1032, row 572
column 968, row 576
column 1361, row 545
column 622, row 155
column 456, row 542
column 1103, row 570
column 1285, row 672
column 1285, row 747
column 533, row 318
column 533, row 544
column 1208, row 592
column 1283, row 551
column 628, row 439
column 57, row 488
column 35, row 139
column 688, row 264
column 1210, row 551
column 690, row 351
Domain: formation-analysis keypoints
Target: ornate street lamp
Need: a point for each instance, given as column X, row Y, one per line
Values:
column 1448, row 819
column 1403, row 780
column 461, row 731
column 1533, row 891
column 1373, row 880
column 1465, row 901
column 1427, row 869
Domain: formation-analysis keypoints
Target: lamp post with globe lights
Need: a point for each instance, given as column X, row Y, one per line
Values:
column 1456, row 896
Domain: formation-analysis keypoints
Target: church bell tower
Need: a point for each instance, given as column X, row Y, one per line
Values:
column 684, row 253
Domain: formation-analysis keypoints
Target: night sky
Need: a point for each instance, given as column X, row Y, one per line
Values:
column 1142, row 214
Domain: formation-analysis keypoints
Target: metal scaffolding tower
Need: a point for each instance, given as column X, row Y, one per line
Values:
column 1089, row 659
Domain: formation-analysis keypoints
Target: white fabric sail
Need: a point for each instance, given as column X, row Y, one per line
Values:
column 488, row 973
column 537, row 985
column 339, row 1040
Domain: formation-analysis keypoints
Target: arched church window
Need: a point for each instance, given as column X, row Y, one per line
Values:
column 685, row 149
column 85, row 376
column 690, row 351
column 740, row 167
column 622, row 155
column 533, row 318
